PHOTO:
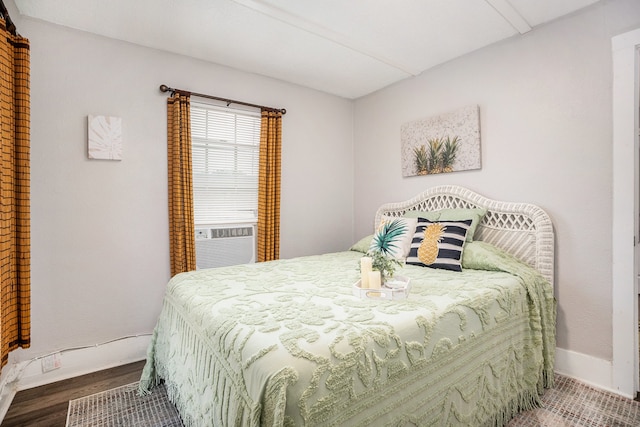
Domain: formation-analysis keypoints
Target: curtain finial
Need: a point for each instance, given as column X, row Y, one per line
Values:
column 11, row 27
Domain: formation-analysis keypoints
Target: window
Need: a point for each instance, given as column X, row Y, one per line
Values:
column 225, row 156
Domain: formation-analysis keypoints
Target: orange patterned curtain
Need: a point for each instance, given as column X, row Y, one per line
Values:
column 15, row 240
column 181, row 223
column 269, row 186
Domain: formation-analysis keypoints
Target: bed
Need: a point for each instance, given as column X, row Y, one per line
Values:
column 288, row 342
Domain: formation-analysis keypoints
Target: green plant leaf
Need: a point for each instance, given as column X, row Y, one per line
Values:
column 386, row 265
column 421, row 158
column 435, row 148
column 449, row 152
column 385, row 239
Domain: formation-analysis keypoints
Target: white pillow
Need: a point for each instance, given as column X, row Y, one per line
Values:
column 400, row 243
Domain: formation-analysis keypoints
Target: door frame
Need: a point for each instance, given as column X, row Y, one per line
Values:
column 626, row 91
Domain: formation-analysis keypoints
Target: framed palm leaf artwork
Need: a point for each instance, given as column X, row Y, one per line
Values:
column 105, row 137
column 445, row 143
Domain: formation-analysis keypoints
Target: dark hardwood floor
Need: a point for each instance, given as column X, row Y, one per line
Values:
column 47, row 405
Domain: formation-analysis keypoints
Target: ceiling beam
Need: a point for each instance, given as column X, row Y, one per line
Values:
column 323, row 32
column 508, row 12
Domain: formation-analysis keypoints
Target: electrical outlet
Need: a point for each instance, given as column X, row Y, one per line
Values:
column 51, row 362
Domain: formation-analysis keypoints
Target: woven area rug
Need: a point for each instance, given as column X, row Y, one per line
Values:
column 574, row 404
column 569, row 404
column 123, row 406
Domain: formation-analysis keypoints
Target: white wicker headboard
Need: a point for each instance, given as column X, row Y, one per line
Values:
column 522, row 229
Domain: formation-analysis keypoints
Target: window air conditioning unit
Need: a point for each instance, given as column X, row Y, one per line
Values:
column 225, row 245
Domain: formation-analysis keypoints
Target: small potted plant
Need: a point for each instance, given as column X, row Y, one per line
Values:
column 383, row 246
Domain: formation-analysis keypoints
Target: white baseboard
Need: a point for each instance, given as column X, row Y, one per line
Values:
column 7, row 391
column 73, row 362
column 86, row 360
column 587, row 369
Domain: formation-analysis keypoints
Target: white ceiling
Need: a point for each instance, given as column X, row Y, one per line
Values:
column 348, row 48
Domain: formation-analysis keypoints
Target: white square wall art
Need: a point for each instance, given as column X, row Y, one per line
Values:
column 444, row 143
column 105, row 137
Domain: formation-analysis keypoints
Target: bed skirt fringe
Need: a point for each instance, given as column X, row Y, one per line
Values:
column 219, row 400
column 526, row 401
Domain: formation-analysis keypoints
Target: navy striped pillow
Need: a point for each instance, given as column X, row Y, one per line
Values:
column 439, row 244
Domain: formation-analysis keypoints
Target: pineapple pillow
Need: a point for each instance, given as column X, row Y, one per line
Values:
column 393, row 236
column 439, row 244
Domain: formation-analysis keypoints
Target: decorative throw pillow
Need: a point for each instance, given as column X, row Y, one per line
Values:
column 458, row 214
column 439, row 244
column 362, row 245
column 481, row 255
column 430, row 215
column 394, row 236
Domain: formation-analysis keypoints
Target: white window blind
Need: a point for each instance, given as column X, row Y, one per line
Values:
column 225, row 164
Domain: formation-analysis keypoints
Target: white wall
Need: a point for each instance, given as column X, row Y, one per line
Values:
column 100, row 256
column 546, row 134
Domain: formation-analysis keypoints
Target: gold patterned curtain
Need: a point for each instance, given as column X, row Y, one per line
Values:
column 181, row 223
column 15, row 240
column 269, row 186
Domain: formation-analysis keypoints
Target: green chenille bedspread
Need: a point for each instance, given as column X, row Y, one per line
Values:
column 287, row 343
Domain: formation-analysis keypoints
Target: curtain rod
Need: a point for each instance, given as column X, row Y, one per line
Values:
column 165, row 88
column 11, row 27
